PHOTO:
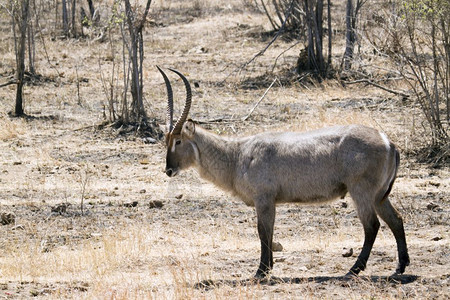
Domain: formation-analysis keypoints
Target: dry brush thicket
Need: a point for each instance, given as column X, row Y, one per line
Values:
column 142, row 235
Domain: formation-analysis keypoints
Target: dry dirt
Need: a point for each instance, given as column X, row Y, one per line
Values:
column 89, row 213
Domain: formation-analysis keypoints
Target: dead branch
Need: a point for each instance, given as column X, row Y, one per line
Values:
column 234, row 120
column 259, row 101
column 378, row 86
column 8, row 83
column 213, row 121
column 261, row 52
column 282, row 53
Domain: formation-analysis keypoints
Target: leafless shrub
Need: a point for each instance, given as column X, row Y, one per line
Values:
column 306, row 20
column 278, row 10
column 418, row 42
column 128, row 21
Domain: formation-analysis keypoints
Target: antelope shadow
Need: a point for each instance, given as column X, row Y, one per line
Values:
column 209, row 284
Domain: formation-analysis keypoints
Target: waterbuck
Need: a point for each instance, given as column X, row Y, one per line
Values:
column 312, row 167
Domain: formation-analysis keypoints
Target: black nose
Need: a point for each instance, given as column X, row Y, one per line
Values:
column 169, row 172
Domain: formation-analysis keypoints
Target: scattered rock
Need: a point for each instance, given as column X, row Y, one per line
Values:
column 344, row 204
column 179, row 196
column 143, row 191
column 280, row 259
column 155, row 204
column 131, row 204
column 144, row 161
column 433, row 206
column 433, row 183
column 347, row 252
column 199, row 50
column 277, row 247
column 149, row 140
column 60, row 208
column 112, row 194
column 7, row 218
column 437, row 238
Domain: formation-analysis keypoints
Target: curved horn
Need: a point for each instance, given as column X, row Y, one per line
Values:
column 169, row 117
column 187, row 104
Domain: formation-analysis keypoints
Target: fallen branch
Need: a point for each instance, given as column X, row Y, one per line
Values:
column 259, row 101
column 218, row 120
column 234, row 120
column 378, row 86
column 8, row 83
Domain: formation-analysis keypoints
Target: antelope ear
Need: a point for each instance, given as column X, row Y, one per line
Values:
column 188, row 129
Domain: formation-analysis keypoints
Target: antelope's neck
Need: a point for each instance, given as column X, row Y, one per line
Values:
column 215, row 158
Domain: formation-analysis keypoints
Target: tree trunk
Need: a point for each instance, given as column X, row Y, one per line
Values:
column 351, row 18
column 310, row 47
column 136, row 52
column 31, row 48
column 136, row 109
column 126, row 72
column 74, row 4
column 318, row 29
column 20, row 57
column 314, row 23
column 349, row 36
column 65, row 18
column 56, row 15
column 329, row 34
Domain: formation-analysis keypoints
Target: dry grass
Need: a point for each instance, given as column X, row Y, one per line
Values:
column 9, row 129
column 200, row 235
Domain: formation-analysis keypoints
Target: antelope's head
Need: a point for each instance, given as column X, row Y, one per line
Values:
column 181, row 152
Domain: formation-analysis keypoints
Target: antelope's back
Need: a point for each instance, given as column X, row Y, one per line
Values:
column 313, row 166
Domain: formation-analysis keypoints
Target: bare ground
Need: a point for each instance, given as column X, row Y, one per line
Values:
column 94, row 216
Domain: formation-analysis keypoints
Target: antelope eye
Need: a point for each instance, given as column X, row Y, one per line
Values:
column 178, row 142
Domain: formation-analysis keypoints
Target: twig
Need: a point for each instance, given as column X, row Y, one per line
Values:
column 218, row 120
column 83, row 182
column 78, row 85
column 259, row 101
column 378, row 86
column 84, row 128
column 8, row 83
column 46, row 53
column 261, row 52
column 234, row 120
column 286, row 50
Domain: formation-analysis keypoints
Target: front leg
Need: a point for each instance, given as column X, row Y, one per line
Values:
column 265, row 213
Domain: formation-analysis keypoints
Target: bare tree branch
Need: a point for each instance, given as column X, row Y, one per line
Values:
column 8, row 83
column 280, row 31
column 378, row 86
column 259, row 101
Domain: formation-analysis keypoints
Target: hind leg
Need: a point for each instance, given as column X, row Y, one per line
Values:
column 371, row 225
column 369, row 220
column 393, row 219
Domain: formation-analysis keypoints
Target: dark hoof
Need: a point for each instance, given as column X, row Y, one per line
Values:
column 350, row 275
column 261, row 275
column 355, row 271
column 402, row 266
